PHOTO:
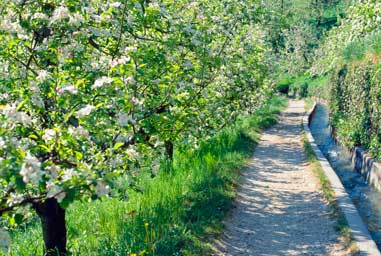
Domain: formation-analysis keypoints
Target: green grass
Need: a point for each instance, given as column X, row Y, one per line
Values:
column 329, row 195
column 363, row 49
column 309, row 102
column 177, row 211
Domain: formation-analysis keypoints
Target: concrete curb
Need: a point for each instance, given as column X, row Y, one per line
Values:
column 360, row 232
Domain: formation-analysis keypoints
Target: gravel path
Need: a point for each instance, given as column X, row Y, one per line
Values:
column 279, row 207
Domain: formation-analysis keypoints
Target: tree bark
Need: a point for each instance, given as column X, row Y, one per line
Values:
column 53, row 227
column 169, row 149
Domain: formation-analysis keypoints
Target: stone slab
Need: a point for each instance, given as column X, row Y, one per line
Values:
column 360, row 232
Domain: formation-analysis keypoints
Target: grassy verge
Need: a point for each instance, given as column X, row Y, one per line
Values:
column 309, row 102
column 175, row 211
column 329, row 195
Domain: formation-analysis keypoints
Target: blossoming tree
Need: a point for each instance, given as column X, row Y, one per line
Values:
column 91, row 90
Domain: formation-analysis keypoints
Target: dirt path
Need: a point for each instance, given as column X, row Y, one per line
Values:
column 279, row 209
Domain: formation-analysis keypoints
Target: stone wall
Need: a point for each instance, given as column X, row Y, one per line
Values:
column 367, row 166
column 362, row 161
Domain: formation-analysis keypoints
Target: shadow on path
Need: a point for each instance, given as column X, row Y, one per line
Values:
column 279, row 210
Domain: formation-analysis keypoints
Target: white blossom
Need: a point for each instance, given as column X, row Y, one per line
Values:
column 55, row 191
column 116, row 4
column 76, row 20
column 85, row 111
column 49, row 134
column 60, row 196
column 78, row 132
column 188, row 64
column 124, row 119
column 60, row 13
column 136, row 101
column 132, row 153
column 101, row 81
column 68, row 88
column 9, row 26
column 130, row 49
column 14, row 199
column 37, row 100
column 2, row 142
column 11, row 112
column 101, row 189
column 68, row 174
column 129, row 80
column 52, row 171
column 42, row 76
column 119, row 61
column 40, row 16
column 30, row 170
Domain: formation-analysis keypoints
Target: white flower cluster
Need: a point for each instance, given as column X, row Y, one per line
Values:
column 77, row 19
column 40, row 16
column 132, row 153
column 101, row 81
column 124, row 119
column 55, row 191
column 2, row 142
column 49, row 135
column 14, row 199
column 68, row 88
column 11, row 112
column 85, row 111
column 119, row 61
column 8, row 25
column 42, row 76
column 60, row 13
column 31, row 170
column 63, row 13
column 116, row 4
column 101, row 189
column 78, row 132
column 136, row 101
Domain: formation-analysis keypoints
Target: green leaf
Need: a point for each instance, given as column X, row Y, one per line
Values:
column 69, row 198
column 11, row 221
column 21, row 104
column 78, row 155
column 33, row 137
column 118, row 145
column 18, row 218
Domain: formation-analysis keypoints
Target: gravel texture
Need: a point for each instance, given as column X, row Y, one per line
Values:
column 279, row 207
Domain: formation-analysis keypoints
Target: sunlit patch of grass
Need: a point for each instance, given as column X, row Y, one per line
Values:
column 175, row 212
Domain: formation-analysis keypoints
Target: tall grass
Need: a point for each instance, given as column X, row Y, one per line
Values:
column 364, row 48
column 175, row 211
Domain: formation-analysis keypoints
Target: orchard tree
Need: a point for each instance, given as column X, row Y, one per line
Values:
column 91, row 90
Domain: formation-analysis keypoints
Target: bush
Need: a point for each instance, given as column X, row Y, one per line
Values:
column 374, row 43
column 318, row 87
column 299, row 87
column 283, row 86
column 354, row 51
column 355, row 105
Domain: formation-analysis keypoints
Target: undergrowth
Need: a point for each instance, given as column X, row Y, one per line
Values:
column 170, row 214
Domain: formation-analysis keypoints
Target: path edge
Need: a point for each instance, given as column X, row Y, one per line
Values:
column 361, row 235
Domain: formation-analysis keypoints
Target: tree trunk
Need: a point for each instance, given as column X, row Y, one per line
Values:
column 169, row 149
column 53, row 226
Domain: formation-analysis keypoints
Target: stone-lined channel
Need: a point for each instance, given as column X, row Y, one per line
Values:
column 366, row 198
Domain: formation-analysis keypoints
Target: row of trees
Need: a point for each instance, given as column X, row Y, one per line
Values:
column 91, row 90
column 296, row 28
